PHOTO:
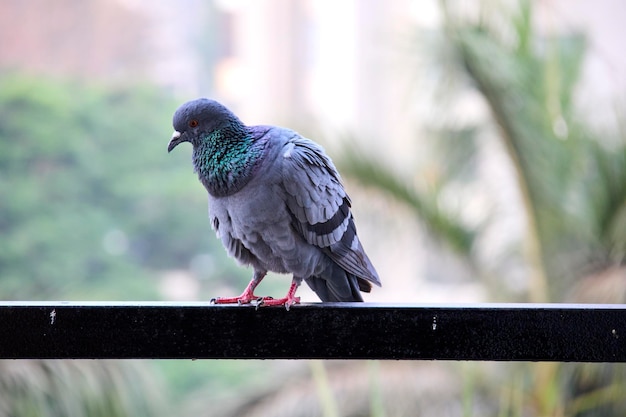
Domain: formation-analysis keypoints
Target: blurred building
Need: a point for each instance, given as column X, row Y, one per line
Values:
column 333, row 63
column 348, row 65
column 94, row 39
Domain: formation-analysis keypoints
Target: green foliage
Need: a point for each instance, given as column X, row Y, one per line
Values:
column 571, row 178
column 193, row 384
column 442, row 224
column 92, row 200
column 78, row 389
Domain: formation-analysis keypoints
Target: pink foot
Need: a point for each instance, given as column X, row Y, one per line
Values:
column 287, row 301
column 245, row 298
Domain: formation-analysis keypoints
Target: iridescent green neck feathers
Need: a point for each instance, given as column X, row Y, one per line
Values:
column 225, row 159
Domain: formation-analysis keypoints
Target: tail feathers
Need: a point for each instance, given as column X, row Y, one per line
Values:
column 340, row 286
column 364, row 285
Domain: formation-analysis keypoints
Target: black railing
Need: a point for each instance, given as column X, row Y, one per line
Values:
column 498, row 332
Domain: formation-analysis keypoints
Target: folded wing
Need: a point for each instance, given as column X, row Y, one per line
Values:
column 320, row 208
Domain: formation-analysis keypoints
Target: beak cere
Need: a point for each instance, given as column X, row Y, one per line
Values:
column 176, row 139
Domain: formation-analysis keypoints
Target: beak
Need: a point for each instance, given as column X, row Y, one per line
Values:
column 176, row 139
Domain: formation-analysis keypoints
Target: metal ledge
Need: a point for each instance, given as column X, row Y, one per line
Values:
column 485, row 332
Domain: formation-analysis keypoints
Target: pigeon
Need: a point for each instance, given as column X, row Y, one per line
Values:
column 277, row 203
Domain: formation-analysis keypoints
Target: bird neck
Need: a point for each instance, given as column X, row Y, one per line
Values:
column 226, row 159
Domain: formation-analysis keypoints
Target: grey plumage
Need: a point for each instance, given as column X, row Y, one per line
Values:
column 277, row 203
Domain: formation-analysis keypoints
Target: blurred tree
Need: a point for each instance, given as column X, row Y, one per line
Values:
column 92, row 197
column 352, row 389
column 570, row 179
column 78, row 389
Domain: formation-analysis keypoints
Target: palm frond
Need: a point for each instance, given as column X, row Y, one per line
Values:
column 30, row 388
column 369, row 172
column 528, row 89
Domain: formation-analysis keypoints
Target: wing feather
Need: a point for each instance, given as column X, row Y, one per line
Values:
column 320, row 207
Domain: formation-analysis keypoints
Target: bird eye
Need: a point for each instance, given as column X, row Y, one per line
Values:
column 193, row 123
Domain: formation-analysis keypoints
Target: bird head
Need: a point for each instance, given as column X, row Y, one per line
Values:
column 197, row 118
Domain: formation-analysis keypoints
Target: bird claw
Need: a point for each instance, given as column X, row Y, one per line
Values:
column 257, row 302
column 287, row 302
column 291, row 302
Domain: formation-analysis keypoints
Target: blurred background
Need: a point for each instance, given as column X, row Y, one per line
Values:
column 483, row 143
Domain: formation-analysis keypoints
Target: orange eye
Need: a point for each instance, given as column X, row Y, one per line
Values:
column 193, row 123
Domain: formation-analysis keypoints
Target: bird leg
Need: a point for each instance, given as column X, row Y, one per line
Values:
column 289, row 300
column 247, row 296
